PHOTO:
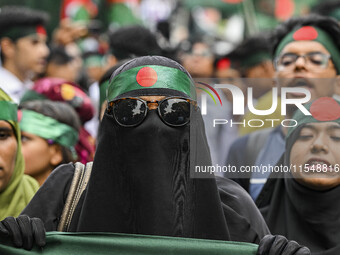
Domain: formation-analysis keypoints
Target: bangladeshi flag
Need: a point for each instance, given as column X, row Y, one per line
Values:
column 124, row 244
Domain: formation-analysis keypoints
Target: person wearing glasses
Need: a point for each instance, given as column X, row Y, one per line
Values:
column 306, row 54
column 150, row 138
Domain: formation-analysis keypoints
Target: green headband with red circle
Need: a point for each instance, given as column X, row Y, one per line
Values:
column 17, row 32
column 323, row 109
column 151, row 77
column 310, row 33
column 8, row 111
column 48, row 128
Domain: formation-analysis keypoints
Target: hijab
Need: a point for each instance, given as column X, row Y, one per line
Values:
column 141, row 180
column 20, row 188
column 310, row 217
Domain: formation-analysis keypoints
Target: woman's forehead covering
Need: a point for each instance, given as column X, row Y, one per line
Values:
column 151, row 75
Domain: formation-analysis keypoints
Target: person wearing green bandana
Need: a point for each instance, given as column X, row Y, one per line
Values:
column 303, row 204
column 49, row 132
column 306, row 54
column 257, row 67
column 16, row 189
column 23, row 48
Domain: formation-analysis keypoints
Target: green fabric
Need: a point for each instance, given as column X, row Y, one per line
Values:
column 120, row 14
column 167, row 78
column 18, row 32
column 48, row 128
column 20, row 188
column 82, row 14
column 255, row 59
column 8, row 111
column 93, row 61
column 102, row 92
column 31, row 95
column 301, row 118
column 323, row 38
column 124, row 244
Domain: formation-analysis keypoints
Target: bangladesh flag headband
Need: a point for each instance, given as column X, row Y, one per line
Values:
column 310, row 33
column 8, row 111
column 17, row 32
column 323, row 109
column 48, row 128
column 150, row 77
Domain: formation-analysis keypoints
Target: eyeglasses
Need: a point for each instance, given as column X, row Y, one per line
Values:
column 130, row 112
column 313, row 60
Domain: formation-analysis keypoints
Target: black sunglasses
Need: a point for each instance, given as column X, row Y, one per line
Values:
column 130, row 112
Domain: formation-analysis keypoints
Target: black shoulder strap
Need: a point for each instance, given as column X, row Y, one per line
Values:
column 80, row 180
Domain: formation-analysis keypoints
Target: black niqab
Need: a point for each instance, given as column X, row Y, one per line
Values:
column 140, row 182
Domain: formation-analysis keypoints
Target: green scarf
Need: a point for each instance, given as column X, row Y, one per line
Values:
column 21, row 188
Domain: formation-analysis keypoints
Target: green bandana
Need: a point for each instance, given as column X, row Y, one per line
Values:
column 324, row 109
column 48, row 128
column 309, row 33
column 31, row 95
column 150, row 77
column 17, row 32
column 93, row 61
column 21, row 188
column 255, row 59
column 102, row 92
column 8, row 111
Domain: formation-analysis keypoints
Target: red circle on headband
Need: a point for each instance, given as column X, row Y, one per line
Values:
column 305, row 33
column 325, row 109
column 232, row 1
column 146, row 77
column 223, row 63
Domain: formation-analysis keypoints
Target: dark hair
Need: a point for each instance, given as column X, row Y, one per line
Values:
column 59, row 56
column 133, row 41
column 59, row 111
column 13, row 16
column 326, row 7
column 253, row 44
column 18, row 16
column 327, row 24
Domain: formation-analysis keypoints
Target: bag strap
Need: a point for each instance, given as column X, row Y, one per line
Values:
column 79, row 183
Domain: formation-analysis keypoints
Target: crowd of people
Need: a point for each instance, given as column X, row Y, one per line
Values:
column 144, row 112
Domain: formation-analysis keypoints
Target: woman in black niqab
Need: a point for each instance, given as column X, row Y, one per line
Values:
column 140, row 181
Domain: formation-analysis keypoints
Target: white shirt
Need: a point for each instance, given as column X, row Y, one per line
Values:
column 12, row 85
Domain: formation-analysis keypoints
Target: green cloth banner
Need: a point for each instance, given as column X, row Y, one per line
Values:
column 125, row 244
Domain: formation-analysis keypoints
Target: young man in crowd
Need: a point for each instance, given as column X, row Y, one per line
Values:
column 306, row 53
column 23, row 48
